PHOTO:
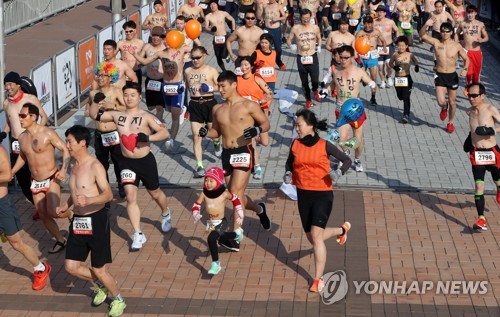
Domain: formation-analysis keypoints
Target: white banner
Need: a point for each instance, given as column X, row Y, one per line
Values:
column 104, row 34
column 145, row 11
column 42, row 79
column 172, row 12
column 65, row 77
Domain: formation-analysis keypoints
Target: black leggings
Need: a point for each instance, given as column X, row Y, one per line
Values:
column 212, row 239
column 220, row 51
column 404, row 94
column 313, row 71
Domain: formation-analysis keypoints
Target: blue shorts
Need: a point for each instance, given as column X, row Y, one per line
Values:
column 370, row 63
column 170, row 95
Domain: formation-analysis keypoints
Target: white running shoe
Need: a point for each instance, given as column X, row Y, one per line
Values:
column 390, row 82
column 169, row 145
column 358, row 166
column 138, row 240
column 382, row 85
column 166, row 222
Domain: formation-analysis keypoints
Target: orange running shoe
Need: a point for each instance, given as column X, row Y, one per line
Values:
column 481, row 224
column 450, row 127
column 309, row 104
column 41, row 277
column 317, row 285
column 342, row 238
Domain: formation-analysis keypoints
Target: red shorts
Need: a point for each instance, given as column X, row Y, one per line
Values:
column 356, row 124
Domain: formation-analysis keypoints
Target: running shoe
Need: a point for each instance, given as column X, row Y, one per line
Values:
column 230, row 244
column 138, row 240
column 342, row 238
column 450, row 127
column 283, row 67
column 309, row 104
column 264, row 219
column 100, row 296
column 228, row 58
column 258, row 173
column 373, row 102
column 317, row 285
column 239, row 235
column 382, row 84
column 169, row 145
column 443, row 114
column 218, row 148
column 317, row 96
column 166, row 222
column 390, row 82
column 214, row 268
column 40, row 278
column 358, row 166
column 481, row 224
column 199, row 172
column 116, row 308
column 404, row 119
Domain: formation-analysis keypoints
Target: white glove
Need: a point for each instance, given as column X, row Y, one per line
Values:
column 318, row 49
column 241, row 215
column 197, row 216
column 335, row 175
column 287, row 178
column 372, row 85
column 293, row 48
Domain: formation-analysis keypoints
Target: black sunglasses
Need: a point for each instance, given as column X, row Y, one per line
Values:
column 344, row 57
column 474, row 95
column 24, row 115
column 130, row 31
column 196, row 57
column 249, row 18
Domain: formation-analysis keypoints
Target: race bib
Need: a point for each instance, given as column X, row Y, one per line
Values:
column 267, row 71
column 110, row 138
column 16, row 148
column 222, row 2
column 240, row 160
column 405, row 25
column 203, row 5
column 401, row 82
column 38, row 187
column 422, row 8
column 306, row 60
column 485, row 157
column 241, row 15
column 170, row 90
column 312, row 21
column 336, row 16
column 82, row 225
column 153, row 85
column 212, row 224
column 220, row 39
column 374, row 53
column 381, row 51
column 391, row 8
column 353, row 22
column 127, row 176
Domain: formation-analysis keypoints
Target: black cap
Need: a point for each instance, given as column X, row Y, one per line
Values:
column 12, row 77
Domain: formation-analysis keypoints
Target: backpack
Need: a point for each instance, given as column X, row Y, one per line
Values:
column 28, row 86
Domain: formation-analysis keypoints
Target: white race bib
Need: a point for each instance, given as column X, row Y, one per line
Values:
column 306, row 60
column 312, row 21
column 40, row 186
column 110, row 138
column 266, row 71
column 241, row 15
column 401, row 82
column 405, row 25
column 336, row 16
column 220, row 39
column 240, row 160
column 82, row 225
column 381, row 51
column 16, row 148
column 153, row 85
column 353, row 22
column 127, row 176
column 211, row 224
column 203, row 5
column 485, row 157
column 170, row 90
column 374, row 53
column 222, row 2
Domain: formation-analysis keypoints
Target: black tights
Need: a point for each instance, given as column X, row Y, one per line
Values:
column 212, row 239
column 403, row 94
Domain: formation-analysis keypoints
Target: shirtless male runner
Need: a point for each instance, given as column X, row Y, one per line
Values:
column 135, row 127
column 125, row 72
column 215, row 22
column 154, row 72
column 173, row 89
column 353, row 12
column 307, row 45
column 89, row 230
column 248, row 37
column 106, row 138
column 386, row 27
column 407, row 10
column 157, row 18
column 347, row 79
column 131, row 42
column 340, row 37
column 438, row 16
column 484, row 151
column 446, row 51
column 16, row 98
column 190, row 10
column 474, row 34
column 238, row 120
column 37, row 144
column 273, row 16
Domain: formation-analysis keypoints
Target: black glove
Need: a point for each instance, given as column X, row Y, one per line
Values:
column 3, row 135
column 398, row 68
column 203, row 131
column 289, row 9
column 252, row 132
column 142, row 137
column 201, row 20
column 417, row 68
column 415, row 18
column 468, row 144
column 99, row 97
column 213, row 29
column 483, row 130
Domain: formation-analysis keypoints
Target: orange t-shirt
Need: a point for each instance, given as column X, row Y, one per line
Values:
column 267, row 70
column 311, row 166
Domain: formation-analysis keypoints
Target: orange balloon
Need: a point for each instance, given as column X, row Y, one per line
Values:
column 193, row 29
column 175, row 39
column 362, row 45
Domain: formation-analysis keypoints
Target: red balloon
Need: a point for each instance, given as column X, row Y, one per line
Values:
column 193, row 29
column 175, row 39
column 362, row 45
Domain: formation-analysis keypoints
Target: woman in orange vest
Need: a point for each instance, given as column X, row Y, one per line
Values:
column 265, row 59
column 253, row 87
column 308, row 165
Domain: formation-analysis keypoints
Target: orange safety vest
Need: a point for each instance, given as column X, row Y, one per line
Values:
column 267, row 71
column 248, row 88
column 311, row 166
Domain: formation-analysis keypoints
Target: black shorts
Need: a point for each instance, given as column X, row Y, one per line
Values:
column 98, row 243
column 200, row 110
column 479, row 171
column 315, row 208
column 449, row 81
column 154, row 98
column 142, row 169
column 10, row 223
column 221, row 227
column 226, row 158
